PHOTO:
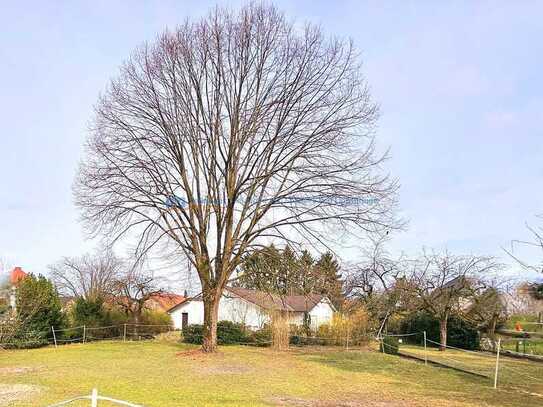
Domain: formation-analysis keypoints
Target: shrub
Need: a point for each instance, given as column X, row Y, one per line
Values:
column 301, row 340
column 460, row 333
column 351, row 329
column 117, row 317
column 261, row 337
column 90, row 312
column 157, row 322
column 193, row 334
column 228, row 333
column 4, row 307
column 419, row 322
column 28, row 340
column 389, row 345
column 38, row 309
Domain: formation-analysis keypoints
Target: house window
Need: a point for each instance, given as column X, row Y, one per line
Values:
column 184, row 320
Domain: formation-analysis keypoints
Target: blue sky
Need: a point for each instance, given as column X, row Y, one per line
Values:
column 459, row 85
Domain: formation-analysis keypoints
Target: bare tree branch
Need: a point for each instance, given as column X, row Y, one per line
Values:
column 88, row 276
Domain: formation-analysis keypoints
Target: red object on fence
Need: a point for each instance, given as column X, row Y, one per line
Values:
column 518, row 326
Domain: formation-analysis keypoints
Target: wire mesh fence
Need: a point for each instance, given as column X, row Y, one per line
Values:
column 524, row 347
column 496, row 367
column 84, row 334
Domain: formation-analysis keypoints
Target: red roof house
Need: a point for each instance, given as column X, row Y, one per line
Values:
column 163, row 301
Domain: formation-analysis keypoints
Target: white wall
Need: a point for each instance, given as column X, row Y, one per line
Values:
column 195, row 310
column 238, row 310
column 322, row 313
column 230, row 309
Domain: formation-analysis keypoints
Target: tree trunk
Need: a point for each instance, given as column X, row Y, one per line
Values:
column 211, row 315
column 136, row 319
column 492, row 331
column 443, row 333
column 492, row 327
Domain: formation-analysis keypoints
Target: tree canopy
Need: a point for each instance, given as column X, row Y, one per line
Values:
column 285, row 272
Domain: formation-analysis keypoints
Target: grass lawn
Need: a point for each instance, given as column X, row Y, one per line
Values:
column 153, row 374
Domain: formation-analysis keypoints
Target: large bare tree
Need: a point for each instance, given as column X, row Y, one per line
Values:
column 88, row 276
column 229, row 132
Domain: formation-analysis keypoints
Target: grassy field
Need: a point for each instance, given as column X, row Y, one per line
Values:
column 166, row 374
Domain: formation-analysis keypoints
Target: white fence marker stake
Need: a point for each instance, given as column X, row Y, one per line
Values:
column 94, row 398
column 124, row 335
column 84, row 333
column 425, row 350
column 497, row 364
column 54, row 336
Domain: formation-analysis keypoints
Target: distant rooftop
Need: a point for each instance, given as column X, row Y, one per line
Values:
column 17, row 274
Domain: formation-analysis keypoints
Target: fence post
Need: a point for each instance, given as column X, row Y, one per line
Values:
column 54, row 336
column 84, row 333
column 94, row 398
column 425, row 350
column 497, row 364
column 124, row 334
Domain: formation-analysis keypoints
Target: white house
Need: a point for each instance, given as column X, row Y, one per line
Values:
column 252, row 308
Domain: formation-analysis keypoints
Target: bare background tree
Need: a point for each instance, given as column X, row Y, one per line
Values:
column 133, row 288
column 488, row 306
column 522, row 299
column 535, row 242
column 444, row 283
column 229, row 132
column 90, row 276
column 375, row 273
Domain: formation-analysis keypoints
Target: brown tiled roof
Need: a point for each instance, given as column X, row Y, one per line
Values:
column 185, row 300
column 296, row 303
column 167, row 300
column 267, row 301
column 304, row 303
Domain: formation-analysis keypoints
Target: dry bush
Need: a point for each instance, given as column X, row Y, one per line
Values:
column 280, row 325
column 346, row 329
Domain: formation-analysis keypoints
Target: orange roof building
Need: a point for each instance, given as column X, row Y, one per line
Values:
column 17, row 274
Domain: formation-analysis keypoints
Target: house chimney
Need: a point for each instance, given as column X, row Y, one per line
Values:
column 185, row 294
